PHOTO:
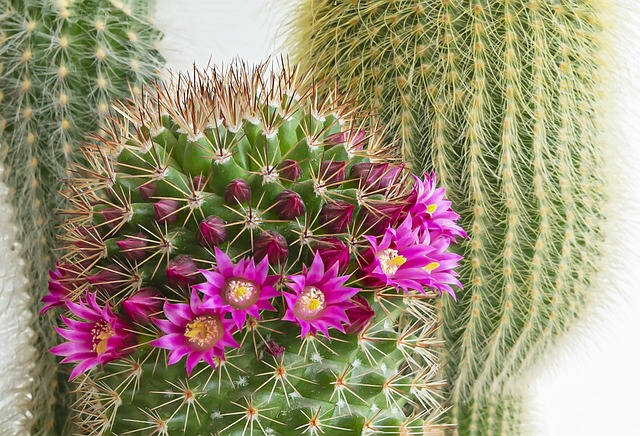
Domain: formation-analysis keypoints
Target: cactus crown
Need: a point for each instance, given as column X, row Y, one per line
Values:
column 238, row 218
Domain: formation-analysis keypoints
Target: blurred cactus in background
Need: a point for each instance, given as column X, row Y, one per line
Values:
column 61, row 63
column 500, row 99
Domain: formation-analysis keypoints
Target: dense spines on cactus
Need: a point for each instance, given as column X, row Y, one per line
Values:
column 203, row 217
column 61, row 63
column 500, row 99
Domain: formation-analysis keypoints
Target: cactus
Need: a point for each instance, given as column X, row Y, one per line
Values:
column 61, row 64
column 241, row 219
column 499, row 98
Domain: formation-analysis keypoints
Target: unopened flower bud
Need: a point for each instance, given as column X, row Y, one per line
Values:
column 148, row 190
column 212, row 231
column 332, row 171
column 274, row 349
column 110, row 278
column 182, row 270
column 88, row 241
column 237, row 191
column 289, row 205
column 289, row 170
column 354, row 139
column 166, row 211
column 113, row 216
column 199, row 183
column 336, row 215
column 134, row 247
column 359, row 315
column 378, row 218
column 375, row 176
column 272, row 245
column 143, row 305
column 332, row 251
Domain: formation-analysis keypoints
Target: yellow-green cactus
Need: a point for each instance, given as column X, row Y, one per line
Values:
column 500, row 98
column 61, row 63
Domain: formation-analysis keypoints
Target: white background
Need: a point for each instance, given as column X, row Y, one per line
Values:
column 591, row 384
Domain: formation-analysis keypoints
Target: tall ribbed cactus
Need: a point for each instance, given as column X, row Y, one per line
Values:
column 500, row 99
column 61, row 63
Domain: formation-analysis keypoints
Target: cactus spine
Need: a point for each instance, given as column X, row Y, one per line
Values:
column 255, row 164
column 500, row 99
column 61, row 64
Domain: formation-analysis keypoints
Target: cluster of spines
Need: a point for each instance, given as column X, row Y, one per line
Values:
column 500, row 99
column 154, row 152
column 62, row 64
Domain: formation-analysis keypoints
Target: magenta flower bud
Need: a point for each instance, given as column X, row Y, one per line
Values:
column 166, row 211
column 289, row 205
column 354, row 139
column 212, row 231
column 182, row 270
column 332, row 171
column 237, row 191
column 274, row 349
column 377, row 219
column 359, row 315
column 336, row 216
column 332, row 251
column 199, row 183
column 148, row 190
column 89, row 241
column 143, row 305
column 375, row 176
column 272, row 245
column 289, row 170
column 110, row 278
column 113, row 216
column 134, row 247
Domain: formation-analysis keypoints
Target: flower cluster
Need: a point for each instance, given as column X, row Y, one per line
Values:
column 404, row 247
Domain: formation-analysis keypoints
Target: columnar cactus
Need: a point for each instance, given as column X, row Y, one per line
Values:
column 499, row 98
column 242, row 257
column 61, row 63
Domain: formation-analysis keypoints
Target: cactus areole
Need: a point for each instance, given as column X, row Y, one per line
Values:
column 244, row 257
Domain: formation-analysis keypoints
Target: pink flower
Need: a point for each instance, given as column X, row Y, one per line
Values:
column 242, row 289
column 103, row 337
column 398, row 259
column 196, row 330
column 61, row 283
column 431, row 211
column 319, row 299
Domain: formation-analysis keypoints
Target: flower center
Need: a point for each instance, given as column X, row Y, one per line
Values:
column 431, row 266
column 390, row 261
column 309, row 304
column 204, row 332
column 101, row 333
column 431, row 208
column 241, row 293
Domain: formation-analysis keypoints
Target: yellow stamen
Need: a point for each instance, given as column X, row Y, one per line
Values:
column 204, row 332
column 101, row 334
column 398, row 261
column 431, row 208
column 431, row 266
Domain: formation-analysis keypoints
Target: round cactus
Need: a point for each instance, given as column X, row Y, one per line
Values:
column 500, row 99
column 242, row 257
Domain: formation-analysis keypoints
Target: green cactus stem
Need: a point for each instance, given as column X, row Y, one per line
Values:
column 500, row 98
